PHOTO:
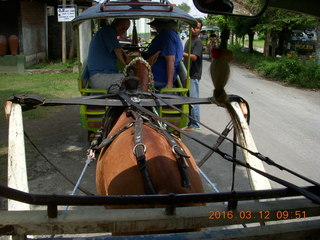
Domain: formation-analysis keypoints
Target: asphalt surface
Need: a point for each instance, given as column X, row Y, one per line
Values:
column 284, row 123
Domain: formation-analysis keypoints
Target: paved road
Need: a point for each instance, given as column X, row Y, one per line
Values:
column 285, row 124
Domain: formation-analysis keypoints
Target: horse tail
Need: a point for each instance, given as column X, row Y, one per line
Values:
column 220, row 72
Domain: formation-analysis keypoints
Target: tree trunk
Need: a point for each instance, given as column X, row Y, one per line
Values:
column 318, row 44
column 71, row 48
column 251, row 37
column 274, row 45
column 266, row 44
column 225, row 34
column 232, row 38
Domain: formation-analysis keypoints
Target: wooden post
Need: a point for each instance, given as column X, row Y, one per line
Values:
column 63, row 42
column 17, row 170
column 257, row 181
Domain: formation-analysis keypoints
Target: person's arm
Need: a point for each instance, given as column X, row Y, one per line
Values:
column 193, row 57
column 119, row 53
column 170, row 70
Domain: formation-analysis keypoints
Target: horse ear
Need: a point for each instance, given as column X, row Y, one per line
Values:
column 151, row 60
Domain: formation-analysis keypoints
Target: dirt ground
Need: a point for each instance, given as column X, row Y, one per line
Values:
column 63, row 141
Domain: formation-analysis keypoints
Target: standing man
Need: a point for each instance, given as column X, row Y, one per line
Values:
column 195, row 73
column 171, row 50
column 104, row 51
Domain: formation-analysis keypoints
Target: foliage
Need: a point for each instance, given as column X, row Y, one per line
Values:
column 293, row 71
column 217, row 20
column 185, row 7
column 250, row 60
column 239, row 26
column 273, row 20
column 278, row 20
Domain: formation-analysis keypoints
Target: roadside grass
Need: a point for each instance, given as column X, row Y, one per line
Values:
column 58, row 85
column 256, row 43
column 304, row 73
column 53, row 65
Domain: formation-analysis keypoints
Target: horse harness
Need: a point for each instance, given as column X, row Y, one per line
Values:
column 140, row 148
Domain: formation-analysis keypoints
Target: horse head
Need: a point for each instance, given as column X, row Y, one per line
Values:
column 138, row 73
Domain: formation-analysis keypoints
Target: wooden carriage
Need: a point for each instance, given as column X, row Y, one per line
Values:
column 263, row 213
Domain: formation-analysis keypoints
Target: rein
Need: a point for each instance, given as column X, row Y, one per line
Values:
column 230, row 158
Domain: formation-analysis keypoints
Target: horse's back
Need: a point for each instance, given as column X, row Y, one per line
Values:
column 118, row 173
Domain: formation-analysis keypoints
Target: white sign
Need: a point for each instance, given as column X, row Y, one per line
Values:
column 66, row 14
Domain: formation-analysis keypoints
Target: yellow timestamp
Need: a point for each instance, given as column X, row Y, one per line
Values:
column 260, row 215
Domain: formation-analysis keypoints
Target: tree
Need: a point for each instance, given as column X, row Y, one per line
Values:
column 276, row 21
column 272, row 23
column 185, row 7
column 318, row 43
column 238, row 26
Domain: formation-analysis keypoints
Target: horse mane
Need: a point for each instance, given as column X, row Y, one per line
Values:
column 110, row 118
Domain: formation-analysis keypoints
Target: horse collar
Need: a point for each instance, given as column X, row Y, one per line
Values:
column 150, row 75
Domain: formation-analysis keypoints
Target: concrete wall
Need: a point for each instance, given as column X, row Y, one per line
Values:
column 12, row 64
column 33, row 25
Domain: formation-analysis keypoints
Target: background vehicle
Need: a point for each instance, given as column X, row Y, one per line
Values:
column 303, row 42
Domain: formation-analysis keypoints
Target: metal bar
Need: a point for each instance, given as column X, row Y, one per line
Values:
column 166, row 199
column 189, row 59
column 115, row 102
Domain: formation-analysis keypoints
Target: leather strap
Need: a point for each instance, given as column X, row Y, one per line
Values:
column 106, row 142
column 179, row 153
column 139, row 151
column 32, row 101
column 226, row 156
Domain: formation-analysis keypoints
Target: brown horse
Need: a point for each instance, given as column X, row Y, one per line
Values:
column 117, row 171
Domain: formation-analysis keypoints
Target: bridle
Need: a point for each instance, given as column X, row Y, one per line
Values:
column 150, row 75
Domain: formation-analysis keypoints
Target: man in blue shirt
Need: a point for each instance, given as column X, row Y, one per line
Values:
column 104, row 51
column 171, row 50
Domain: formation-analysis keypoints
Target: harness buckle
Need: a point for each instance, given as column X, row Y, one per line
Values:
column 174, row 150
column 137, row 145
column 136, row 99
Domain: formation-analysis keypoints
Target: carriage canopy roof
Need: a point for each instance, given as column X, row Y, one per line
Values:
column 134, row 9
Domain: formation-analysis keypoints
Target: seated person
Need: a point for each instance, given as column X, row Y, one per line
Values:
column 104, row 51
column 168, row 42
